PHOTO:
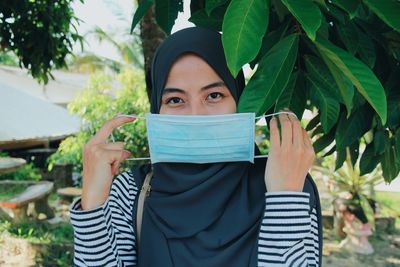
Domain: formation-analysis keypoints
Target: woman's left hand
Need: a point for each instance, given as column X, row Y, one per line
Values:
column 290, row 157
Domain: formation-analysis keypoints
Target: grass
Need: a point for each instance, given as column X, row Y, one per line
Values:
column 390, row 204
column 39, row 232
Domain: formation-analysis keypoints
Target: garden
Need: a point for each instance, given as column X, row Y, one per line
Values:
column 335, row 64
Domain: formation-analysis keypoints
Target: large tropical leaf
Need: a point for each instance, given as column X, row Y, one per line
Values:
column 390, row 166
column 271, row 77
column 368, row 160
column 292, row 96
column 360, row 75
column 387, row 10
column 245, row 23
column 345, row 86
column 352, row 129
column 350, row 6
column 328, row 105
column 212, row 21
column 212, row 4
column 307, row 13
column 167, row 12
column 397, row 144
column 143, row 7
column 394, row 107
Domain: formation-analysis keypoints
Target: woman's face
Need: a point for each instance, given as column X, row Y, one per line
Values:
column 194, row 88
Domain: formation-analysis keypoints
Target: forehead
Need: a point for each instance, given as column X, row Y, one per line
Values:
column 190, row 70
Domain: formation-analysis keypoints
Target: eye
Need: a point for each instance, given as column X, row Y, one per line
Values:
column 214, row 96
column 174, row 100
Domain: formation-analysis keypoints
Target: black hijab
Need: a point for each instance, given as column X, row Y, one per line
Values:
column 205, row 215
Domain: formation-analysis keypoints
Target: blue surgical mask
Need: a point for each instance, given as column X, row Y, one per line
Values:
column 201, row 138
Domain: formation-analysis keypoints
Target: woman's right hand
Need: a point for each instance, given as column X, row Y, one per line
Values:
column 101, row 162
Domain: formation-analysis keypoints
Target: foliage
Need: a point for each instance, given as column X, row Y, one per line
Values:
column 40, row 33
column 96, row 104
column 127, row 45
column 37, row 231
column 340, row 58
column 26, row 172
column 58, row 240
column 10, row 191
column 7, row 58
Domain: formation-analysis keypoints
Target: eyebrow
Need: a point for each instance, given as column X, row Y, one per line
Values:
column 178, row 90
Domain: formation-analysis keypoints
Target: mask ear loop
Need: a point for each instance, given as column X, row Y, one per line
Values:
column 270, row 115
column 142, row 117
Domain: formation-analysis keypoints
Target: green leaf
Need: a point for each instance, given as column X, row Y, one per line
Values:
column 380, row 140
column 144, row 5
column 167, row 12
column 390, row 166
column 245, row 22
column 349, row 37
column 323, row 91
column 360, row 75
column 351, row 129
column 292, row 96
column 307, row 13
column 368, row 160
column 313, row 123
column 271, row 77
column 269, row 40
column 366, row 48
column 350, row 6
column 214, row 21
column 212, row 4
column 345, row 86
column 394, row 107
column 340, row 158
column 327, row 104
column 318, row 71
column 279, row 9
column 324, row 141
column 387, row 10
column 397, row 144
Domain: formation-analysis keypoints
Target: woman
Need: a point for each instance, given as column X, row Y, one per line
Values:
column 230, row 213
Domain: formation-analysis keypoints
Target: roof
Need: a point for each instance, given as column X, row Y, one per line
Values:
column 61, row 91
column 24, row 117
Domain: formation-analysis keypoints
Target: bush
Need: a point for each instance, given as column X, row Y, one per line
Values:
column 97, row 104
column 27, row 172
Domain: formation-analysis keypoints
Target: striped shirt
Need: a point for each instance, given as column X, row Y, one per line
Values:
column 105, row 236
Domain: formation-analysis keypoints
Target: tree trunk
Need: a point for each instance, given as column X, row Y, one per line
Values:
column 152, row 36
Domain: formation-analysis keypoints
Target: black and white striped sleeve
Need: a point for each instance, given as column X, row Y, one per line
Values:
column 105, row 236
column 289, row 231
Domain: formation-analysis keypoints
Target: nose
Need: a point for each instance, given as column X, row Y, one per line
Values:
column 198, row 109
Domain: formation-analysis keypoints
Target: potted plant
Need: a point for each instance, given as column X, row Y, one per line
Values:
column 354, row 204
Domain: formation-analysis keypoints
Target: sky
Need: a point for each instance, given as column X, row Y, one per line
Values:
column 114, row 16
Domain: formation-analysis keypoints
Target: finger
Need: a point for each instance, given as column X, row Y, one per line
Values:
column 105, row 131
column 274, row 133
column 115, row 167
column 297, row 133
column 116, row 155
column 113, row 146
column 286, row 129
